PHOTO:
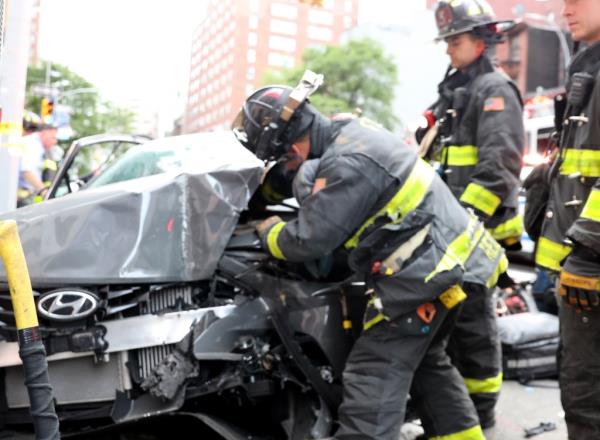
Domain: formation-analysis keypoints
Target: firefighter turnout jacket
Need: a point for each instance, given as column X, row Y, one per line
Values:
column 480, row 145
column 390, row 209
column 573, row 212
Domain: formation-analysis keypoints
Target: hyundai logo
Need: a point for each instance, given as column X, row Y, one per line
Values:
column 67, row 305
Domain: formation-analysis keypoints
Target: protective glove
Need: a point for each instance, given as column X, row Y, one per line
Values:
column 580, row 279
column 263, row 227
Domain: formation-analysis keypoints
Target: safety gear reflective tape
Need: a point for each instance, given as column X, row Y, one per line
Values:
column 474, row 433
column 453, row 296
column 586, row 162
column 579, row 281
column 481, row 198
column 509, row 229
column 460, row 249
column 50, row 165
column 410, row 195
column 500, row 269
column 272, row 237
column 549, row 254
column 591, row 210
column 371, row 304
column 460, row 155
column 489, row 385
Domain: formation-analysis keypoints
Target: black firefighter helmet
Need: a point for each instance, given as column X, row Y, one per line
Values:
column 274, row 117
column 454, row 17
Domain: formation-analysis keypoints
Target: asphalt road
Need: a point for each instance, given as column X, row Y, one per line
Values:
column 522, row 407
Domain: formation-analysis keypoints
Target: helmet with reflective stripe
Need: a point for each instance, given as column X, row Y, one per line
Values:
column 274, row 117
column 454, row 17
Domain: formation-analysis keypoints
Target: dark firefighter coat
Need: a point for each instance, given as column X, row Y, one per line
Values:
column 574, row 206
column 373, row 195
column 481, row 147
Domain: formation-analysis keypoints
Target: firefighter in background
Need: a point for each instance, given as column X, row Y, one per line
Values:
column 38, row 164
column 478, row 138
column 411, row 240
column 569, row 244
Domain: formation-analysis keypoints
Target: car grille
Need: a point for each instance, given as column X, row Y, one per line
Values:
column 148, row 358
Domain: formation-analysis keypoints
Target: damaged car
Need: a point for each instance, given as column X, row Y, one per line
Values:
column 155, row 300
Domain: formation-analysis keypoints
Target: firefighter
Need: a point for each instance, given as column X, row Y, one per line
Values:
column 478, row 141
column 412, row 241
column 569, row 244
column 38, row 164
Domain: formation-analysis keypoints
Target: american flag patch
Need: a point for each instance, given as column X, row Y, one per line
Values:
column 494, row 104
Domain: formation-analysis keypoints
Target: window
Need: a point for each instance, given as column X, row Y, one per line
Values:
column 284, row 10
column 320, row 33
column 319, row 16
column 251, row 56
column 348, row 6
column 282, row 43
column 283, row 27
column 347, row 22
column 249, row 89
column 250, row 73
column 252, row 39
column 253, row 22
column 254, row 5
column 280, row 60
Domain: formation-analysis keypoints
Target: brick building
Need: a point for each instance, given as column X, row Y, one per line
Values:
column 241, row 39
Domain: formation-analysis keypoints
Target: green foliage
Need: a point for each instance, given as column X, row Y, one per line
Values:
column 357, row 74
column 90, row 115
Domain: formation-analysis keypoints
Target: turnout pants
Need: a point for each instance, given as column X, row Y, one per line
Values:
column 390, row 357
column 475, row 350
column 579, row 371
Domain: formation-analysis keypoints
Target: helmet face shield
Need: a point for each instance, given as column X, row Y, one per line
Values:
column 274, row 117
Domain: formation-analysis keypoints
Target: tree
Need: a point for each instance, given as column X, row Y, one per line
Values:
column 357, row 74
column 90, row 114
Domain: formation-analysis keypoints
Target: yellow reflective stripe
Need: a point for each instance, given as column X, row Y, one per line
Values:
column 591, row 210
column 549, row 254
column 508, row 229
column 376, row 319
column 410, row 195
column 481, row 198
column 500, row 269
column 272, row 241
column 460, row 155
column 460, row 249
column 586, row 162
column 50, row 165
column 474, row 433
column 489, row 385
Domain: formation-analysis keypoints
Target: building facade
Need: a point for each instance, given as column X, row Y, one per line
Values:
column 239, row 40
column 34, row 34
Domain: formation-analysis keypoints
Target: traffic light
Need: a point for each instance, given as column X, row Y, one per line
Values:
column 47, row 107
column 317, row 3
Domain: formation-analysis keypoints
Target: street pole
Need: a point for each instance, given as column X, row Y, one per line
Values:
column 14, row 52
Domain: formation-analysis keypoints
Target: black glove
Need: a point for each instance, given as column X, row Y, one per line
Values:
column 580, row 279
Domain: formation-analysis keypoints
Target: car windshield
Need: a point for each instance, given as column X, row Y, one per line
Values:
column 143, row 160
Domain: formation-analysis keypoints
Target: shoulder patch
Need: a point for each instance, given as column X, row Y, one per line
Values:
column 494, row 104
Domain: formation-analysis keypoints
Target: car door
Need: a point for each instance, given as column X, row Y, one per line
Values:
column 87, row 158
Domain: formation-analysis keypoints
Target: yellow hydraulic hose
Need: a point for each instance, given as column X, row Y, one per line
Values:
column 31, row 347
column 19, row 283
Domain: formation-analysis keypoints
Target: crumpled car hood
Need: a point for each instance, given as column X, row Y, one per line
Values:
column 162, row 228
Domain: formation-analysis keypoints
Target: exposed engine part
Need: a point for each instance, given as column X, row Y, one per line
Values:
column 163, row 299
column 168, row 376
column 149, row 358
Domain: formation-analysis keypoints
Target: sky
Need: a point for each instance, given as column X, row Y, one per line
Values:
column 138, row 51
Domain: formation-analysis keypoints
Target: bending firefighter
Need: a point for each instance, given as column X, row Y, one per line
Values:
column 414, row 244
column 570, row 237
column 476, row 134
